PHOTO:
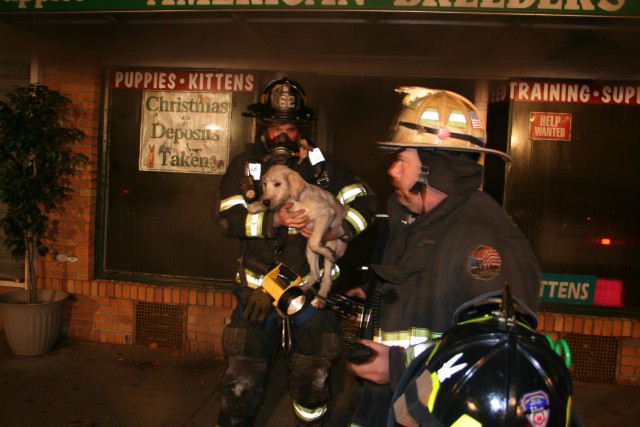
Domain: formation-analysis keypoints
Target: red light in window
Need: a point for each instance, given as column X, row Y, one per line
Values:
column 605, row 241
column 608, row 292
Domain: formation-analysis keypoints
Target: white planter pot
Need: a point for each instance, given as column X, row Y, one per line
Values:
column 32, row 329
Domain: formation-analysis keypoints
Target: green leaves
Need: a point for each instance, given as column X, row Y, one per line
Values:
column 36, row 134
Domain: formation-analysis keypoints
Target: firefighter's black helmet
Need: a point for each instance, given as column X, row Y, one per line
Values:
column 283, row 100
column 491, row 369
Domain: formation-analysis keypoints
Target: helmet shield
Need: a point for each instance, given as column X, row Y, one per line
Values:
column 491, row 369
column 438, row 119
column 499, row 377
column 282, row 101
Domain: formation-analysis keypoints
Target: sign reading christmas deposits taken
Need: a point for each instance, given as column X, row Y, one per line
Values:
column 185, row 132
column 550, row 126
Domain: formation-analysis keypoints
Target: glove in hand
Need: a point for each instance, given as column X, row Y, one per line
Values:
column 258, row 306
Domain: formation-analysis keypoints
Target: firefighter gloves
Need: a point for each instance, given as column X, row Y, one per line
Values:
column 258, row 306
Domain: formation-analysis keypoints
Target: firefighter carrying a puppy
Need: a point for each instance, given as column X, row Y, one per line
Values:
column 268, row 239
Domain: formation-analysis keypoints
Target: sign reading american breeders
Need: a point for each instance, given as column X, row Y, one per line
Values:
column 185, row 132
column 558, row 7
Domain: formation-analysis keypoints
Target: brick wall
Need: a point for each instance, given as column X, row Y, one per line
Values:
column 75, row 234
column 102, row 311
column 627, row 331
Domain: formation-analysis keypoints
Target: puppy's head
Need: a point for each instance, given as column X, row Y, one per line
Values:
column 279, row 185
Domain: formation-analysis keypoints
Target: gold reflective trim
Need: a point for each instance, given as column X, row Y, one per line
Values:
column 415, row 341
column 429, row 116
column 435, row 388
column 232, row 201
column 254, row 280
column 356, row 220
column 457, row 118
column 466, row 421
column 405, row 339
column 309, row 414
column 349, row 193
column 253, row 224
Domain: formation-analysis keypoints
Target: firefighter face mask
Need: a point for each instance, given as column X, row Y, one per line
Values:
column 282, row 142
column 282, row 149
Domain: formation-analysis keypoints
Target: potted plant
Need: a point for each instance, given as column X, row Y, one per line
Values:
column 36, row 160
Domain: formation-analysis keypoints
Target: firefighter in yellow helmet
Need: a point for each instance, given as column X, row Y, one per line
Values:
column 447, row 243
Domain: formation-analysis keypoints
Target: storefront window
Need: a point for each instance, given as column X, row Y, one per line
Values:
column 573, row 189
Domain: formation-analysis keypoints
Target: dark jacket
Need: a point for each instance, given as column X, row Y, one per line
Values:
column 438, row 262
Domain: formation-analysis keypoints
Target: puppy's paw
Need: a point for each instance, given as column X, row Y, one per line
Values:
column 256, row 207
column 318, row 303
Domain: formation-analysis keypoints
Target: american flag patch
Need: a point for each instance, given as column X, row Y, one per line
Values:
column 476, row 122
column 484, row 263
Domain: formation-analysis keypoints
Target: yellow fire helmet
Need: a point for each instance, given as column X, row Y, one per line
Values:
column 438, row 119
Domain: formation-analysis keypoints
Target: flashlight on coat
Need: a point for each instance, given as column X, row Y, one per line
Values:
column 283, row 285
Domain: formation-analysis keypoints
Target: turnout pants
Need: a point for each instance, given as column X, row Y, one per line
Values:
column 250, row 350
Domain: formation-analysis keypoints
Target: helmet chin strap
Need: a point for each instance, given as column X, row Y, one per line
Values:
column 422, row 180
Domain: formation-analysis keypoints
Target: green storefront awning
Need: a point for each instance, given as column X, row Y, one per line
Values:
column 602, row 8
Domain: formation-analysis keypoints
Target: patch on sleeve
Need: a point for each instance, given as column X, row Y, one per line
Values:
column 484, row 263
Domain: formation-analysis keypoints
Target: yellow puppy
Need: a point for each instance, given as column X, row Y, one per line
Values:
column 281, row 185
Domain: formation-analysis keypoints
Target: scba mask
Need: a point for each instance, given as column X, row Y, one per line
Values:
column 282, row 149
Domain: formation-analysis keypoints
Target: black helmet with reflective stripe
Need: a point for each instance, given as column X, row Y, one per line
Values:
column 491, row 369
column 283, row 100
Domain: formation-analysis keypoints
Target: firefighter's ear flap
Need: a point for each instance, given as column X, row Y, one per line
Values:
column 296, row 184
